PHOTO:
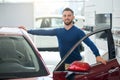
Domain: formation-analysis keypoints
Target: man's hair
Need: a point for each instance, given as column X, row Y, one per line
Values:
column 68, row 9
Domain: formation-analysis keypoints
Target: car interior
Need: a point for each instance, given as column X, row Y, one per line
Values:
column 14, row 57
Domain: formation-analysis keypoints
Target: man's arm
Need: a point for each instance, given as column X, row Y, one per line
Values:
column 95, row 51
column 50, row 32
column 93, row 47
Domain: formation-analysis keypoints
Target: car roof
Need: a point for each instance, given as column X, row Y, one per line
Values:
column 15, row 31
column 12, row 30
column 59, row 16
column 51, row 16
column 56, row 16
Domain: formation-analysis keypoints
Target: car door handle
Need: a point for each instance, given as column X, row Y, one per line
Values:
column 113, row 70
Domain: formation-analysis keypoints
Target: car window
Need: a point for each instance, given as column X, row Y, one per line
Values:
column 16, row 55
column 56, row 22
column 45, row 23
column 101, row 44
column 49, row 22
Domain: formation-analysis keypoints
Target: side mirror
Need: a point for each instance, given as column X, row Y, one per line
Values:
column 79, row 66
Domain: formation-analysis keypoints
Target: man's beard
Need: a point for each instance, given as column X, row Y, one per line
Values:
column 68, row 23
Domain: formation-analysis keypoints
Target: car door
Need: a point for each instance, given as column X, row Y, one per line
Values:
column 111, row 71
column 103, row 72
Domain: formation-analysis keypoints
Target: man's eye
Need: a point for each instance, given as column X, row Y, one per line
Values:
column 64, row 16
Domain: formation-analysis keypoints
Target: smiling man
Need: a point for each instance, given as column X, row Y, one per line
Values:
column 67, row 37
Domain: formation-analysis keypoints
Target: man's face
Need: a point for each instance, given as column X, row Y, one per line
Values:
column 67, row 17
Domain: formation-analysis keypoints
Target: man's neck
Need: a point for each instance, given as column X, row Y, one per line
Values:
column 67, row 27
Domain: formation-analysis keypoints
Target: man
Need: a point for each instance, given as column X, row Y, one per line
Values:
column 67, row 37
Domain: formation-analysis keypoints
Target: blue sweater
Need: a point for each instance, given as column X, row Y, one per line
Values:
column 66, row 40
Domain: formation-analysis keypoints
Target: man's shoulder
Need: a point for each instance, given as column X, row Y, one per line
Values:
column 75, row 27
column 58, row 28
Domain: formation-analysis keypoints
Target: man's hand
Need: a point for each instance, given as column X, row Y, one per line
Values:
column 100, row 59
column 22, row 27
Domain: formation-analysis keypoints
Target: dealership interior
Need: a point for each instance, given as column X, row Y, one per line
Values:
column 89, row 16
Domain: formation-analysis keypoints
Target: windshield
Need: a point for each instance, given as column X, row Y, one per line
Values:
column 16, row 55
